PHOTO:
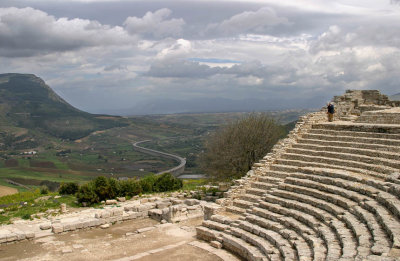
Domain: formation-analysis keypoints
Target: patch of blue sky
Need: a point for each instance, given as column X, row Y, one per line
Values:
column 212, row 60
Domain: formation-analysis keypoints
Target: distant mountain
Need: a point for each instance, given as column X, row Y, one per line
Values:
column 27, row 102
column 217, row 104
column 395, row 97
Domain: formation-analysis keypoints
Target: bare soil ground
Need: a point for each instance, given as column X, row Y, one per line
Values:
column 162, row 243
column 4, row 191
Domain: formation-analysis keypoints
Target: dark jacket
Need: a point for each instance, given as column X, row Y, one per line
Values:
column 331, row 108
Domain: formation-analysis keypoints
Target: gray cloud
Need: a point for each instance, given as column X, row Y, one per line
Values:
column 259, row 22
column 27, row 31
column 110, row 55
column 155, row 24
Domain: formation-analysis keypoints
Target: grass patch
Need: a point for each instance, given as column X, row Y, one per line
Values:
column 193, row 184
column 24, row 205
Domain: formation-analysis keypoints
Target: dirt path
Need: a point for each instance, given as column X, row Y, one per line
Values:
column 4, row 191
column 117, row 243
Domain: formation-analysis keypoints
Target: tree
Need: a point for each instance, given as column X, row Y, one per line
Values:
column 232, row 149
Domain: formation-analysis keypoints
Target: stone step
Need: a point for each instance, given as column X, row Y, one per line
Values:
column 242, row 248
column 254, row 243
column 321, row 192
column 349, row 150
column 255, row 191
column 308, row 162
column 327, row 213
column 327, row 185
column 221, row 219
column 207, row 234
column 359, row 229
column 335, row 143
column 361, row 127
column 341, row 163
column 290, row 208
column 242, row 204
column 342, row 175
column 215, row 225
column 295, row 239
column 391, row 142
column 351, row 190
column 271, row 179
column 375, row 135
column 250, row 198
column 380, row 242
column 315, row 243
column 235, row 210
column 262, row 185
column 283, row 245
column 386, row 220
column 392, row 163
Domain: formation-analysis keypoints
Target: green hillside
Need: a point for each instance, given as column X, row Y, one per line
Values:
column 27, row 102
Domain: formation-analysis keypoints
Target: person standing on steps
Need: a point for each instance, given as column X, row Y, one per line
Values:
column 331, row 111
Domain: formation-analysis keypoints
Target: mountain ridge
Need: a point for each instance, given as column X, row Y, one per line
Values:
column 26, row 101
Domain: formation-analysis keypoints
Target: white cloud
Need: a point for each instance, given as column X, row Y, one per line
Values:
column 155, row 24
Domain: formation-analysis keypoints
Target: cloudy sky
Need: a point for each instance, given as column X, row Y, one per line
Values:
column 133, row 56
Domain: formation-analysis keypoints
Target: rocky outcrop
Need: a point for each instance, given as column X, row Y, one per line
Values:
column 329, row 191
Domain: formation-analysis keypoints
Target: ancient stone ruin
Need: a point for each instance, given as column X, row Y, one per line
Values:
column 329, row 191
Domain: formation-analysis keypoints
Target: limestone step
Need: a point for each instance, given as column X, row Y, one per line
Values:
column 255, row 191
column 316, row 245
column 391, row 163
column 242, row 248
column 270, row 179
column 242, row 204
column 380, row 242
column 320, row 209
column 296, row 241
column 351, row 190
column 349, row 150
column 292, row 164
column 359, row 229
column 354, row 134
column 341, row 163
column 386, row 220
column 359, row 179
column 361, row 127
column 283, row 245
column 322, row 192
column 254, row 243
column 391, row 142
column 262, row 185
column 207, row 234
column 290, row 208
column 327, row 185
column 336, row 143
column 277, row 175
column 235, row 210
column 250, row 198
column 215, row 225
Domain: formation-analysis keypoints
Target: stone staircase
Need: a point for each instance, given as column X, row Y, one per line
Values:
column 330, row 191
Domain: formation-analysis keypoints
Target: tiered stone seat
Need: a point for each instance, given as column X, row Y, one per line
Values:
column 331, row 191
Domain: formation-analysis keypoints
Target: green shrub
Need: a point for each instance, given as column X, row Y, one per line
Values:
column 44, row 190
column 167, row 182
column 114, row 188
column 69, row 188
column 130, row 187
column 103, row 188
column 86, row 193
column 147, row 183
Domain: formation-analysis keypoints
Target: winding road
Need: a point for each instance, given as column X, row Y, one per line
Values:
column 176, row 171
